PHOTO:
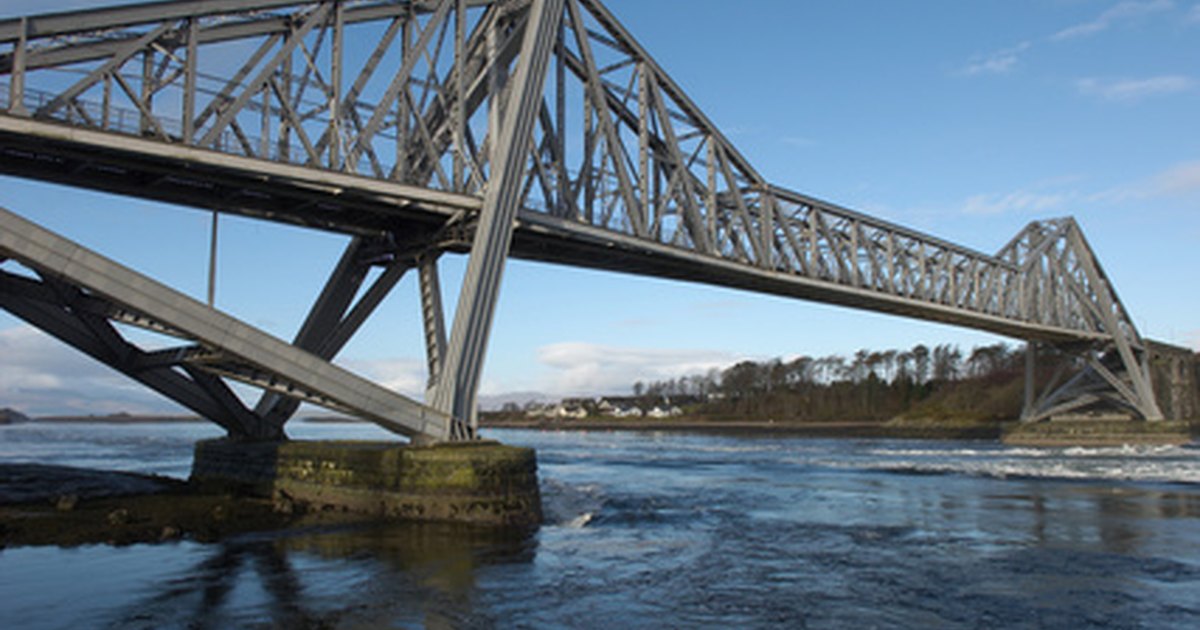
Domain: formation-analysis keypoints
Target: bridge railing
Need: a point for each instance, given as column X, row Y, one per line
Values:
column 129, row 121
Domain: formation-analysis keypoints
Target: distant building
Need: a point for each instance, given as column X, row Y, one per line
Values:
column 539, row 411
column 561, row 411
column 626, row 412
column 572, row 411
column 664, row 412
column 619, row 407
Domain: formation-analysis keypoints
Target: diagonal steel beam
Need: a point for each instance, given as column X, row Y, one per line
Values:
column 66, row 325
column 51, row 254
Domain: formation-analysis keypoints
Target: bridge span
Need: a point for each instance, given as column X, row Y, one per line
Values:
column 539, row 129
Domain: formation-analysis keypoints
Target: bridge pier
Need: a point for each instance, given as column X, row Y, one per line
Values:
column 480, row 482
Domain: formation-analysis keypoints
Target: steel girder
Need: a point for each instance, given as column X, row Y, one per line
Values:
column 1062, row 282
column 78, row 293
column 449, row 120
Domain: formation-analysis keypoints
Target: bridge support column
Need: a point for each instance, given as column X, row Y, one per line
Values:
column 1102, row 384
column 458, row 380
column 1030, row 379
column 433, row 319
column 335, row 317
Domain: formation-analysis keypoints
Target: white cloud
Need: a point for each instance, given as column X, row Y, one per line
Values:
column 404, row 376
column 1121, row 12
column 41, row 376
column 584, row 368
column 1130, row 90
column 1018, row 201
column 1193, row 16
column 999, row 62
column 1178, row 179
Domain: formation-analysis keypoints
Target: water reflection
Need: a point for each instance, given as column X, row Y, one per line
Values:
column 1083, row 515
column 363, row 575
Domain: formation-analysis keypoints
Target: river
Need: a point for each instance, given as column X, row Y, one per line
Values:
column 651, row 530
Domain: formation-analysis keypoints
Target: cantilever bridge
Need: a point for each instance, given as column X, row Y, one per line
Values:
column 539, row 129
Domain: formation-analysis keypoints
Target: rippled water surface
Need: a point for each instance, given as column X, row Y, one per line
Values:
column 667, row 530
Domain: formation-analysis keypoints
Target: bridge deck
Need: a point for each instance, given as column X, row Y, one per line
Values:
column 355, row 204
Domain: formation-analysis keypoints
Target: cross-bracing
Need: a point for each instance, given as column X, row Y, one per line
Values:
column 538, row 129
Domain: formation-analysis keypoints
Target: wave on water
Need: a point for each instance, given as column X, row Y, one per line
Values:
column 1146, row 463
column 1127, row 450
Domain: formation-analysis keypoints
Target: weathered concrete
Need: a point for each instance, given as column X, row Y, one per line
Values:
column 1176, row 374
column 480, row 482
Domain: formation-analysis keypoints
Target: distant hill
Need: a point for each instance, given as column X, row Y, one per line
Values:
column 12, row 416
column 121, row 418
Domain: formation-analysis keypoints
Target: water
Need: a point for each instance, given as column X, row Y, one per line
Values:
column 650, row 530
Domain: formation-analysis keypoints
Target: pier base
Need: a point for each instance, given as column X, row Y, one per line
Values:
column 481, row 482
column 1097, row 433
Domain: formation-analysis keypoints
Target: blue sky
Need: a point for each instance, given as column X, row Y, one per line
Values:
column 966, row 120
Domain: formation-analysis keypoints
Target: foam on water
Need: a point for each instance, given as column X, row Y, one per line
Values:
column 1147, row 463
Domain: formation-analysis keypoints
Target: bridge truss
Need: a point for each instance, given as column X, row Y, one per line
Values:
column 539, row 129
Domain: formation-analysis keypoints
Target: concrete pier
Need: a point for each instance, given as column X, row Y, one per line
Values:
column 1097, row 433
column 481, row 482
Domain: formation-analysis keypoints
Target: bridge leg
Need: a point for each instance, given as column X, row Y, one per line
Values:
column 335, row 317
column 1103, row 380
column 1027, row 410
column 1135, row 388
column 433, row 319
column 458, row 380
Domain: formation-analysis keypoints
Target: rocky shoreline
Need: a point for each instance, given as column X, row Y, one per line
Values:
column 63, row 506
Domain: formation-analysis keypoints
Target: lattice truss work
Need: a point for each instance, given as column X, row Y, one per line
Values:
column 539, row 128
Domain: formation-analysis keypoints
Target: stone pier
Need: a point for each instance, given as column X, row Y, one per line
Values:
column 482, row 482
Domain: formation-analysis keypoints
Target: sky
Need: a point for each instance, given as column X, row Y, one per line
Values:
column 966, row 120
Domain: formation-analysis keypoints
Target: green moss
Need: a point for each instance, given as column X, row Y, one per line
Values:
column 475, row 482
column 1098, row 433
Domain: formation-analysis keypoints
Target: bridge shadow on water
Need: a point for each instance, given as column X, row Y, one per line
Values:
column 375, row 575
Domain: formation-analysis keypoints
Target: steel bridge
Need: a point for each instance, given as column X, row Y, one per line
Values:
column 539, row 129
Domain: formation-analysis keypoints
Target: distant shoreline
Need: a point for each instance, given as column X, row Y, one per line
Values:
column 679, row 425
column 115, row 419
column 132, row 419
column 829, row 430
column 797, row 429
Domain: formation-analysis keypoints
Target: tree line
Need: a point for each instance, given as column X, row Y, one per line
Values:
column 940, row 381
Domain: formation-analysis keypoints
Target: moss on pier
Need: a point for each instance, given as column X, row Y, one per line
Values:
column 475, row 482
column 1098, row 433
